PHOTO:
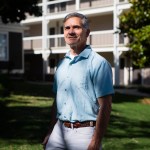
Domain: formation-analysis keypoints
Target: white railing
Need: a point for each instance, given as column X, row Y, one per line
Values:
column 96, row 38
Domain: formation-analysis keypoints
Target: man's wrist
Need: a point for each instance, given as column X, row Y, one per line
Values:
column 97, row 137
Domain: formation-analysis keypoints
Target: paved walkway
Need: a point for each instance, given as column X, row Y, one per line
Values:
column 132, row 92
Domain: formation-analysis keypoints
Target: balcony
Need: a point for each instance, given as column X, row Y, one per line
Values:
column 54, row 42
column 69, row 6
column 32, row 43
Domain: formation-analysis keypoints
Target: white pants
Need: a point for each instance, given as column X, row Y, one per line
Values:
column 63, row 138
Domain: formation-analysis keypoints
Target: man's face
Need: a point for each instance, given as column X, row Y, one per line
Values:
column 74, row 33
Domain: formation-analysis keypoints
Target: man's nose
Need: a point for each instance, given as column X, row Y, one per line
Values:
column 71, row 31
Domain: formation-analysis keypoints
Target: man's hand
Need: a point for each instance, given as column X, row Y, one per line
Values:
column 45, row 141
column 94, row 146
column 101, row 122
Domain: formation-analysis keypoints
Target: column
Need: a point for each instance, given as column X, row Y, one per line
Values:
column 45, row 53
column 116, row 42
column 77, row 4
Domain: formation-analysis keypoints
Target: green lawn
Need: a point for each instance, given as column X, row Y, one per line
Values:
column 129, row 128
column 24, row 119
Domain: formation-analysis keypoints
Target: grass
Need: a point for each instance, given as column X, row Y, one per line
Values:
column 24, row 116
column 24, row 119
column 129, row 127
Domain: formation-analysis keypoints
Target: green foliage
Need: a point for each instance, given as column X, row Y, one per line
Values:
column 15, row 11
column 136, row 24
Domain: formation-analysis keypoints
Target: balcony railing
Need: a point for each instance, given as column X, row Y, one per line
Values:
column 54, row 7
column 101, row 38
column 71, row 6
column 101, row 3
column 96, row 38
column 32, row 43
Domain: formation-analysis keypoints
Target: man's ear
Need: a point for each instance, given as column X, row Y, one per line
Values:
column 87, row 32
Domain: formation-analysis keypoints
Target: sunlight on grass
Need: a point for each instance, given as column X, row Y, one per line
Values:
column 145, row 101
column 25, row 117
column 22, row 100
column 129, row 126
column 126, row 144
column 22, row 147
column 24, row 121
column 132, row 111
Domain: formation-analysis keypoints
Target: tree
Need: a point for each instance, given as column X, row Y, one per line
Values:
column 136, row 24
column 15, row 11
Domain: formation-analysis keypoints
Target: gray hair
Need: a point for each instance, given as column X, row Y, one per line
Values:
column 83, row 18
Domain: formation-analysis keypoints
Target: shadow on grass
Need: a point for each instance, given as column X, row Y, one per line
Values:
column 131, row 127
column 123, row 98
column 30, row 123
column 128, row 130
column 128, row 134
column 32, row 88
column 121, row 127
column 24, row 123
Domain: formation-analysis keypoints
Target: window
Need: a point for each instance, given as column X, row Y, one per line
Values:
column 52, row 63
column 52, row 41
column 122, row 63
column 52, row 31
column 62, row 41
column 51, row 8
column 63, row 6
column 62, row 30
column 3, row 47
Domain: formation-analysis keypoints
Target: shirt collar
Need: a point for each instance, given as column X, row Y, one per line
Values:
column 85, row 53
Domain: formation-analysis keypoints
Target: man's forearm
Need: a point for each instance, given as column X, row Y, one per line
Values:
column 53, row 116
column 102, row 119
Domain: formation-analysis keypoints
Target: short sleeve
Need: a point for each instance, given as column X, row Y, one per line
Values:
column 102, row 79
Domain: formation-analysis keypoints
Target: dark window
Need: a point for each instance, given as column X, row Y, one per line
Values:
column 52, row 63
column 61, row 30
column 15, row 50
column 52, row 40
column 122, row 63
column 51, row 8
column 63, row 6
column 52, row 31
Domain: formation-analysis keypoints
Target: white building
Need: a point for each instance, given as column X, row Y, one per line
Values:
column 44, row 44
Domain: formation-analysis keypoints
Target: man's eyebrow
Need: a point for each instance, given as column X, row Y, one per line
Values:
column 77, row 26
column 66, row 26
column 74, row 26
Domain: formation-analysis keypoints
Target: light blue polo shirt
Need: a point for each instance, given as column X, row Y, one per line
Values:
column 79, row 82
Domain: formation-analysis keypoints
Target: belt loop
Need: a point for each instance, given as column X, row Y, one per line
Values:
column 72, row 126
column 91, row 124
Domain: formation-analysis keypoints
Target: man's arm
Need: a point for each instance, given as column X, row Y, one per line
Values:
column 101, row 122
column 52, row 123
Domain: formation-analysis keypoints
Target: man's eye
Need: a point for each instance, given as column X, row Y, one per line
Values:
column 67, row 28
column 77, row 27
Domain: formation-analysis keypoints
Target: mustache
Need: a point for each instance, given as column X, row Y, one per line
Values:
column 71, row 36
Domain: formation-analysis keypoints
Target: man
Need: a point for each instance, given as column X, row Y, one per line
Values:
column 83, row 87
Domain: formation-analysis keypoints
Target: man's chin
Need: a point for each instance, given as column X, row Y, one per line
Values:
column 72, row 44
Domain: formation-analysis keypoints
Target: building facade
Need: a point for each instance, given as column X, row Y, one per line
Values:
column 11, row 49
column 43, row 39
